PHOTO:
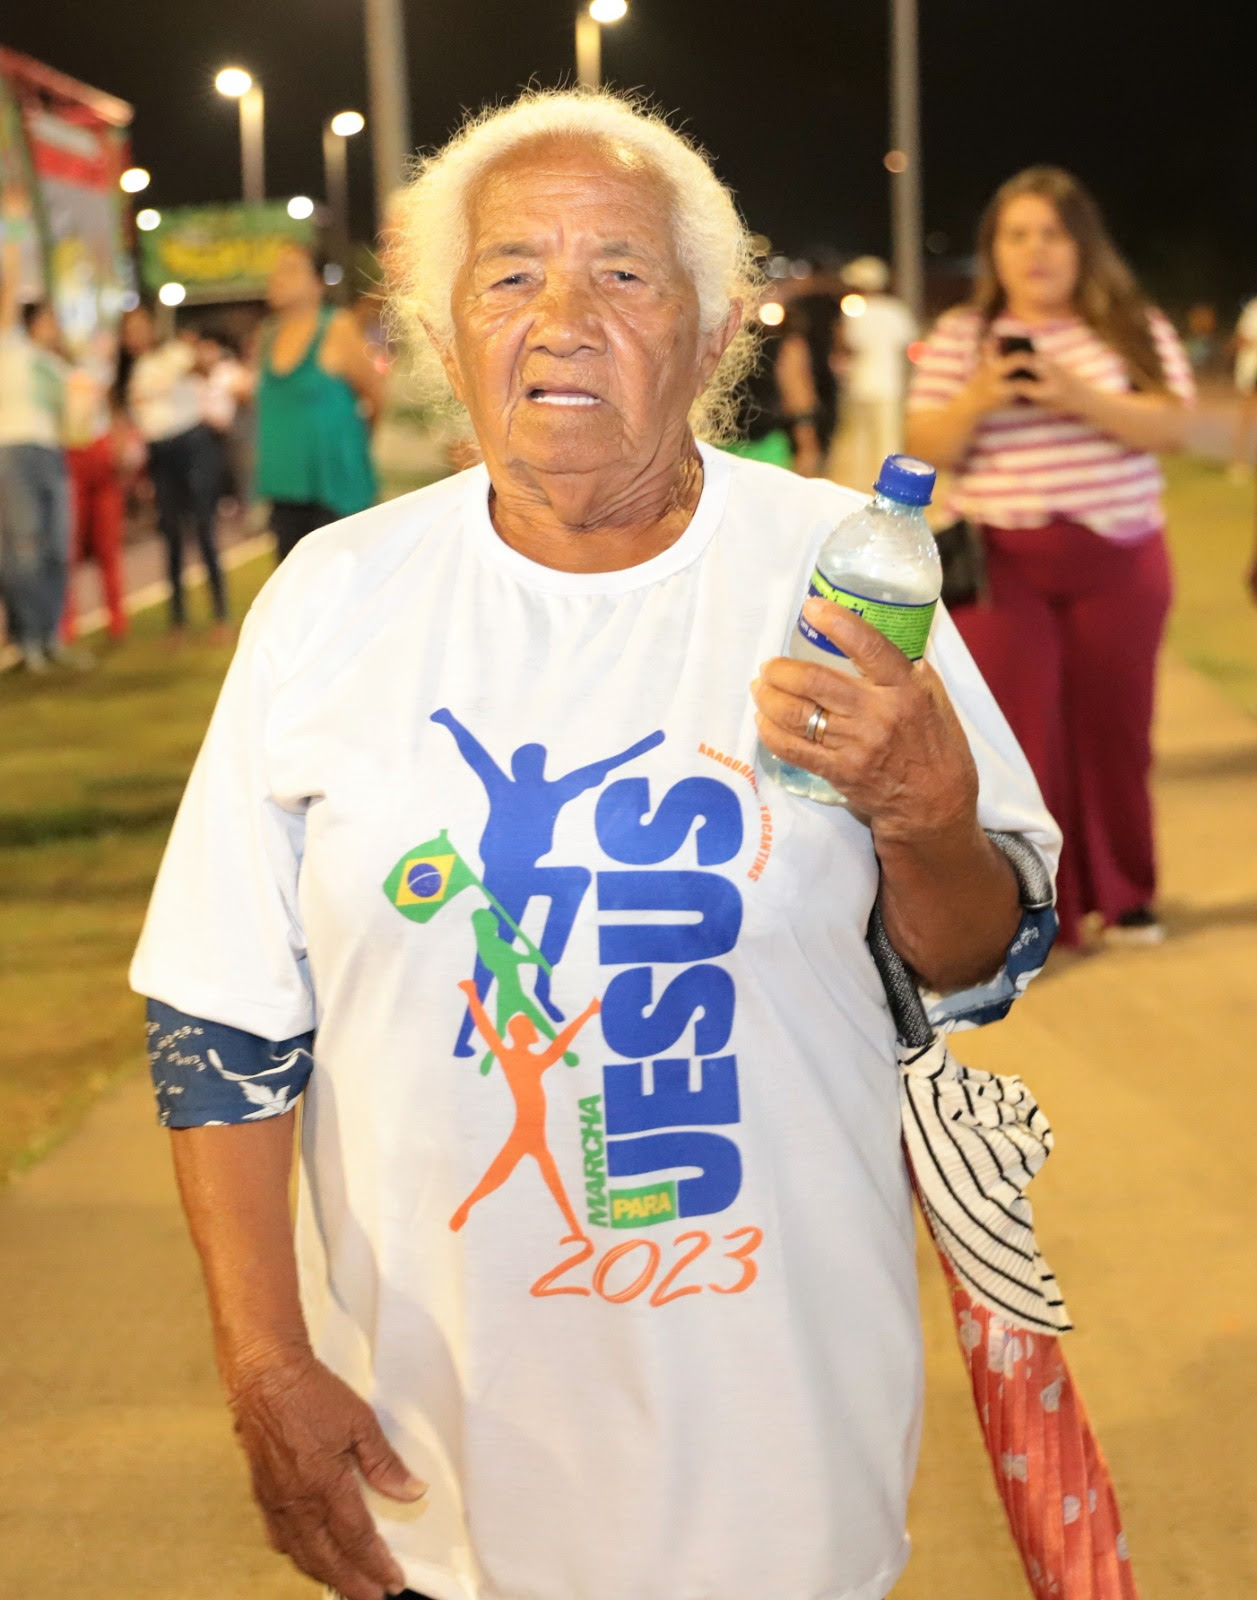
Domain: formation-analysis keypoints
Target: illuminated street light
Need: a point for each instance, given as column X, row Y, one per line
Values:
column 772, row 313
column 134, row 180
column 853, row 305
column 300, row 207
column 233, row 82
column 237, row 84
column 172, row 294
column 590, row 22
column 147, row 220
column 344, row 125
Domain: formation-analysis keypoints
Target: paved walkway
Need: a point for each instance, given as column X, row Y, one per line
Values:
column 119, row 1478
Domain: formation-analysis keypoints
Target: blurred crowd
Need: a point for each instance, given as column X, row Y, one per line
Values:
column 1045, row 399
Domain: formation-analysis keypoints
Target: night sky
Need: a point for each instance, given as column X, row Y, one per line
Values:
column 790, row 98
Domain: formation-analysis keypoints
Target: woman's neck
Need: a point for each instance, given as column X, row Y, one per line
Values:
column 1037, row 312
column 579, row 522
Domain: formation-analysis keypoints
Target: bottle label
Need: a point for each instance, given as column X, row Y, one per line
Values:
column 907, row 626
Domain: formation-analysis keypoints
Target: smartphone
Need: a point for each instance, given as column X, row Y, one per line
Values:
column 1017, row 344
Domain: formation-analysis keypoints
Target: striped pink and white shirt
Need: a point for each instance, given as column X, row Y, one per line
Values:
column 1026, row 467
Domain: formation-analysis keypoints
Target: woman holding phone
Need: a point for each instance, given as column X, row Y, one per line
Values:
column 1049, row 396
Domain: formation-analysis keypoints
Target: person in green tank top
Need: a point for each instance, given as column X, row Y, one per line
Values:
column 317, row 388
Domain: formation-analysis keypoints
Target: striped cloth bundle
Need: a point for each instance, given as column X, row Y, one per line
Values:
column 973, row 1142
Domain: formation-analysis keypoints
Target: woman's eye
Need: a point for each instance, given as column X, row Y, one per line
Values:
column 623, row 275
column 511, row 281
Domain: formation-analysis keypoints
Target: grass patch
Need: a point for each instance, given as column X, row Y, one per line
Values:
column 91, row 771
column 1214, row 622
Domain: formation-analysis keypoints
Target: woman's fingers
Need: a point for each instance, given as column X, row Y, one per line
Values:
column 317, row 1554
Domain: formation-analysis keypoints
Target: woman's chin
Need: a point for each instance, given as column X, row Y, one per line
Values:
column 575, row 439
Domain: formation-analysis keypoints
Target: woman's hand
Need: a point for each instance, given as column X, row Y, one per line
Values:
column 1053, row 387
column 308, row 1438
column 992, row 386
column 893, row 745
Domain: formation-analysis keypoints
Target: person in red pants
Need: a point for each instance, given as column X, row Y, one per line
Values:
column 1050, row 396
column 97, row 508
column 97, row 495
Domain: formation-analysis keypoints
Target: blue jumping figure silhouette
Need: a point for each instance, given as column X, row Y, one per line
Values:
column 524, row 808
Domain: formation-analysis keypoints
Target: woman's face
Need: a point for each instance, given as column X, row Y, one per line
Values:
column 1036, row 259
column 293, row 282
column 43, row 328
column 137, row 332
column 576, row 342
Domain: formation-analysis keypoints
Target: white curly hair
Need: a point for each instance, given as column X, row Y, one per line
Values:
column 427, row 233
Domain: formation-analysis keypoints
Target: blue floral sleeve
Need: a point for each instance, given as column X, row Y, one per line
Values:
column 989, row 1002
column 206, row 1074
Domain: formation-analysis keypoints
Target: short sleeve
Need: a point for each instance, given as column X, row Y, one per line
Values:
column 223, row 938
column 207, row 1075
column 1174, row 359
column 945, row 362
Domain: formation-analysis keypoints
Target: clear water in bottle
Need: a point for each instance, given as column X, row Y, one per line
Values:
column 881, row 562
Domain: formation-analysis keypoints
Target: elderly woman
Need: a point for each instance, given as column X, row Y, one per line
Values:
column 604, row 1278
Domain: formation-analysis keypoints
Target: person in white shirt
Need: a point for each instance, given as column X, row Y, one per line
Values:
column 34, row 487
column 604, row 1286
column 871, row 342
column 1245, row 376
column 165, row 394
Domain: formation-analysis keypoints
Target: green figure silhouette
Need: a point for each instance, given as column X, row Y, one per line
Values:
column 504, row 962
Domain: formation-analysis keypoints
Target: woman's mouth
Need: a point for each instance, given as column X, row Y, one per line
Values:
column 564, row 397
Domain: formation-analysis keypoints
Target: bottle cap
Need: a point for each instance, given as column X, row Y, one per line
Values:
column 906, row 479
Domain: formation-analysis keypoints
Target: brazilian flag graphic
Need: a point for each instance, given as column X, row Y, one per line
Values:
column 427, row 878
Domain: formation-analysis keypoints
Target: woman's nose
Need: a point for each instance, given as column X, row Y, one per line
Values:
column 565, row 318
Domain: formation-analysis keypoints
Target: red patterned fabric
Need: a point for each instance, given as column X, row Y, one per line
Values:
column 1049, row 1469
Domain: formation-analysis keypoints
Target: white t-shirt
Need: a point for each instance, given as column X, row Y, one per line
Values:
column 709, row 1388
column 877, row 341
column 32, row 391
column 1246, row 355
column 165, row 394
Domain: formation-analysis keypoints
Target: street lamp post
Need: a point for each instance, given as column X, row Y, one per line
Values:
column 237, row 84
column 903, row 161
column 341, row 128
column 590, row 21
column 389, row 97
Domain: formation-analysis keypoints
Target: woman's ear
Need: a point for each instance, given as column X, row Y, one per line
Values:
column 445, row 352
column 714, row 344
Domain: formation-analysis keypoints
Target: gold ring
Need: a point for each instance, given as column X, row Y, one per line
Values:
column 816, row 725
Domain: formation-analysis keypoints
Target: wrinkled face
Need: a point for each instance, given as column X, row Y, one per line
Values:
column 576, row 332
column 293, row 281
column 1036, row 258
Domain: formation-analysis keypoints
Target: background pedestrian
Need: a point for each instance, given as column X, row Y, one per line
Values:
column 1050, row 395
column 318, row 389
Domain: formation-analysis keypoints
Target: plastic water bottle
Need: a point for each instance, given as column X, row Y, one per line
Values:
column 882, row 563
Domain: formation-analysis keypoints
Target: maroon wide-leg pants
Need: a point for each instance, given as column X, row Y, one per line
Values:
column 1068, row 642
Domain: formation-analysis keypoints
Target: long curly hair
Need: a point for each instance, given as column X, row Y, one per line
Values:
column 1107, row 296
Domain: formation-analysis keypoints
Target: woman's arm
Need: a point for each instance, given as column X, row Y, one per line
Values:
column 1152, row 422
column 799, row 401
column 346, row 353
column 941, row 434
column 12, row 220
column 307, row 1435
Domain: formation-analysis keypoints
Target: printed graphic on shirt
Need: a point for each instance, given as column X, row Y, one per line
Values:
column 657, row 1131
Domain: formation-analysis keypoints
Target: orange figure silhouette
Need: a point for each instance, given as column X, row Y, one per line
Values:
column 524, row 1068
